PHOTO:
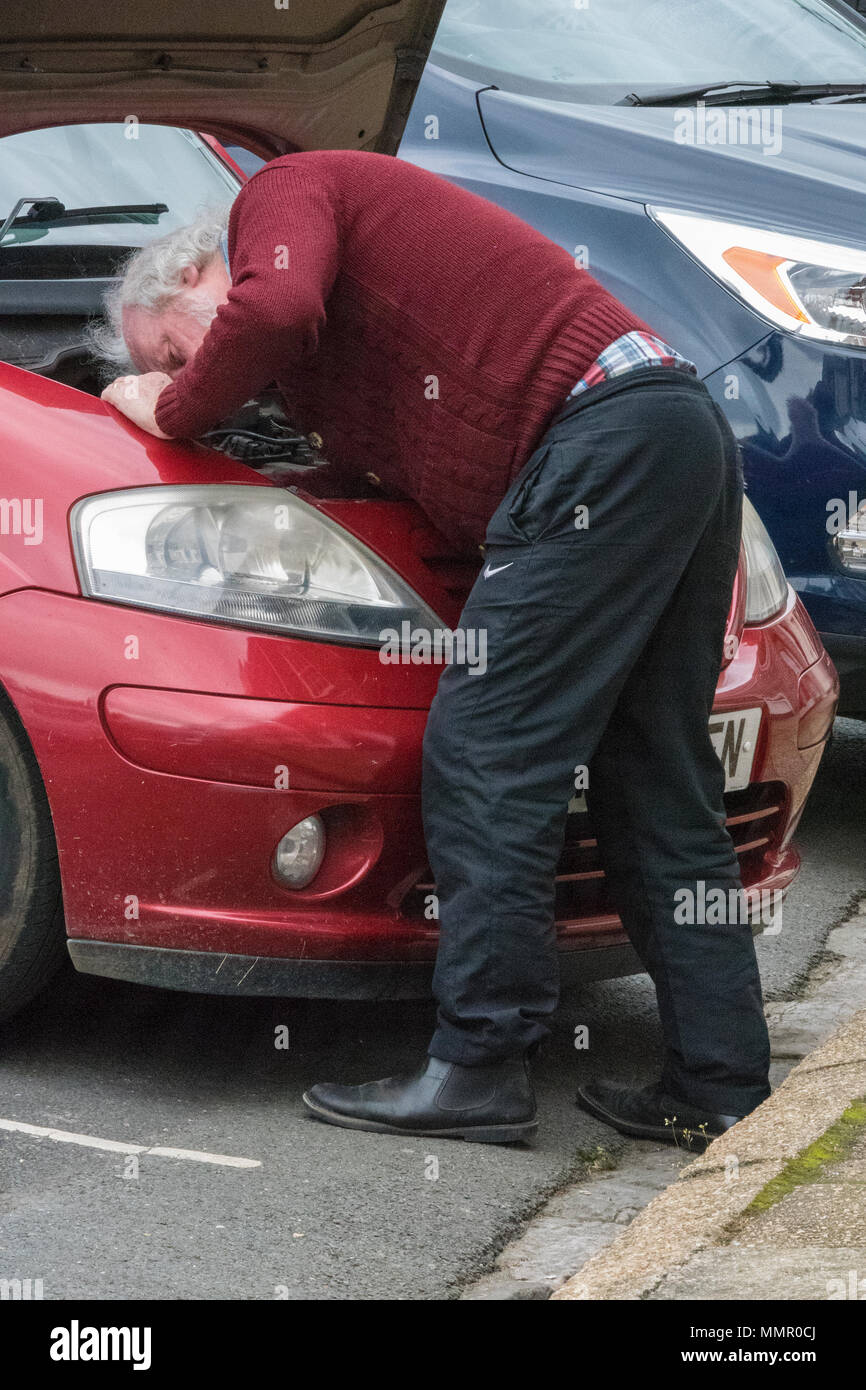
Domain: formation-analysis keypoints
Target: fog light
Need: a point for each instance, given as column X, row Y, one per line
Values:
column 299, row 854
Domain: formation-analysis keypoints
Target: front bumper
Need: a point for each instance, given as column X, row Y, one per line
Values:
column 204, row 972
column 167, row 813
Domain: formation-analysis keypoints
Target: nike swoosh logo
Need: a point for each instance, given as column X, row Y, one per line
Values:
column 489, row 572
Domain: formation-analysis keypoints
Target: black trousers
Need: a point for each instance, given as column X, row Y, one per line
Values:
column 604, row 632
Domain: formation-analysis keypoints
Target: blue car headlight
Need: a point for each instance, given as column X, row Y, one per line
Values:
column 816, row 289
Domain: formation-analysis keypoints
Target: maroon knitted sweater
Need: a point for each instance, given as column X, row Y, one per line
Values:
column 427, row 335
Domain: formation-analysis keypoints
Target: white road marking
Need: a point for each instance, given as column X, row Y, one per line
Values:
column 196, row 1156
column 89, row 1141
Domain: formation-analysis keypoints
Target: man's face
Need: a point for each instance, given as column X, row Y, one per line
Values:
column 166, row 339
column 163, row 341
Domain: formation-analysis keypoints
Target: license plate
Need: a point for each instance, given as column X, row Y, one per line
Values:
column 735, row 738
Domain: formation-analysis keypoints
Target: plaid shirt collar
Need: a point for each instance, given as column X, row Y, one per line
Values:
column 631, row 353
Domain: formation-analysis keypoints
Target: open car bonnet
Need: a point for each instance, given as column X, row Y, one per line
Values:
column 276, row 77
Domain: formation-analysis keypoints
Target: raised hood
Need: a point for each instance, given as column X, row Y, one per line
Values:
column 277, row 76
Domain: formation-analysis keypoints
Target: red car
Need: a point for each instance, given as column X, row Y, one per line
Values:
column 209, row 778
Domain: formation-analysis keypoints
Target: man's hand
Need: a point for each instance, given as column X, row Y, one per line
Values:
column 136, row 397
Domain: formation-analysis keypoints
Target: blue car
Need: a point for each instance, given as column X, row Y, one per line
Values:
column 706, row 160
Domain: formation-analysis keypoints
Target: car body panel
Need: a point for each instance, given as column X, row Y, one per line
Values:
column 192, row 851
column 814, row 183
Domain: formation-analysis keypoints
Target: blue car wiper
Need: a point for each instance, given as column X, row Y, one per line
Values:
column 716, row 93
column 739, row 93
column 837, row 98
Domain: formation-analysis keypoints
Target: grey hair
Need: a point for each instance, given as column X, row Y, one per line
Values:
column 150, row 279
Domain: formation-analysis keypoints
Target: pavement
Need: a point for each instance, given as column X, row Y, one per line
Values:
column 775, row 1208
column 148, row 1096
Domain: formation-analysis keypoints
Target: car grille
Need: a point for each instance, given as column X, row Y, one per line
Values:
column 755, row 817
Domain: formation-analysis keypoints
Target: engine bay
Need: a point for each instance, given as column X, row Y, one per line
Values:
column 48, row 303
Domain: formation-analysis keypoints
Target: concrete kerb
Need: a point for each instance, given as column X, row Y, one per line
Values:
column 695, row 1211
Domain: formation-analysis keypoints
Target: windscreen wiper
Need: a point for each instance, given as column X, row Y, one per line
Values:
column 837, row 98
column 46, row 211
column 741, row 93
column 721, row 93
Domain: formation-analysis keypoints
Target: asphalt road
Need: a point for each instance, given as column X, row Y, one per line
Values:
column 328, row 1214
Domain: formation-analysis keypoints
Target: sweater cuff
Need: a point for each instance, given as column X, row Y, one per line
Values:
column 176, row 418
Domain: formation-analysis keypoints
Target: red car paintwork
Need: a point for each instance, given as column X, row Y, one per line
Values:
column 222, row 153
column 159, row 757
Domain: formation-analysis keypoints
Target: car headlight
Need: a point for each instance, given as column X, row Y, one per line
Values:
column 250, row 556
column 813, row 288
column 766, row 585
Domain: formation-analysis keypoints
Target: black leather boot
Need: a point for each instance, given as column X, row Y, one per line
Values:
column 492, row 1104
column 649, row 1113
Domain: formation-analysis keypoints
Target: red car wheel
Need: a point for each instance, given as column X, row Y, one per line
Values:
column 32, row 937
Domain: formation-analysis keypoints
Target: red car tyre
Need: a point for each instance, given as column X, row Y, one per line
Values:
column 32, row 937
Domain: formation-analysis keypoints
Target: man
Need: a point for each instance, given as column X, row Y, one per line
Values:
column 439, row 343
